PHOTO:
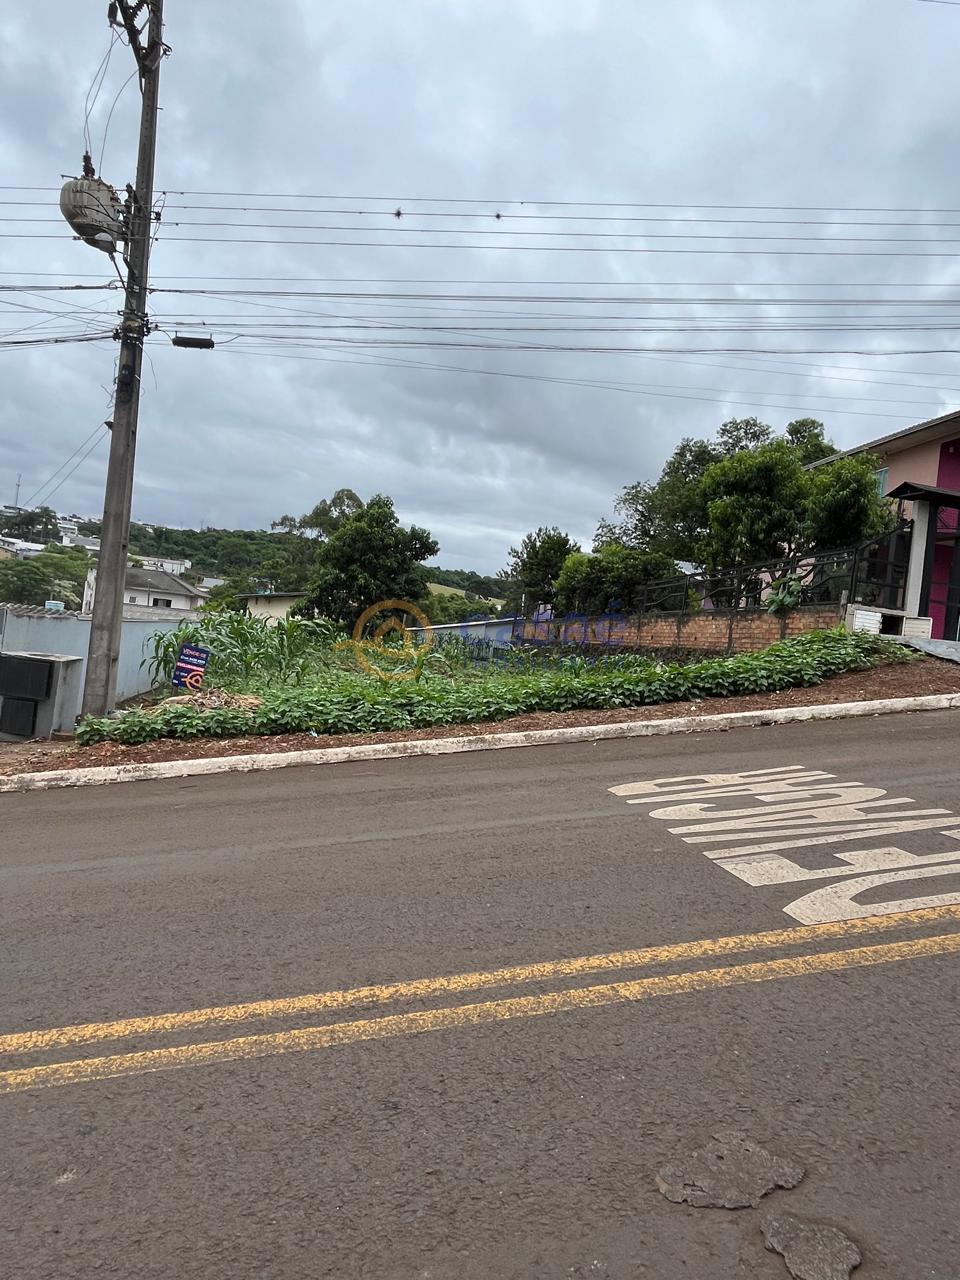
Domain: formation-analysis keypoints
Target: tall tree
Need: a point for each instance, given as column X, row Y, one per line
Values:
column 737, row 434
column 297, row 534
column 806, row 436
column 755, row 502
column 844, row 505
column 370, row 557
column 674, row 516
column 534, row 567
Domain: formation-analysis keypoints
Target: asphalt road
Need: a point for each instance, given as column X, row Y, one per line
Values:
column 497, row 1114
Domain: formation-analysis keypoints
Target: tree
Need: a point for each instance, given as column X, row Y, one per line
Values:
column 844, row 505
column 235, row 555
column 806, row 436
column 673, row 515
column 23, row 582
column 370, row 557
column 483, row 585
column 56, row 573
column 668, row 517
column 737, row 434
column 534, row 567
column 612, row 580
column 39, row 525
column 755, row 503
column 297, row 536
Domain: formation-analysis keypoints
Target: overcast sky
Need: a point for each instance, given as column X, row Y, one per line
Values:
column 371, row 105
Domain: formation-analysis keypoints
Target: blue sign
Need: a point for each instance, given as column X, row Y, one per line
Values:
column 191, row 664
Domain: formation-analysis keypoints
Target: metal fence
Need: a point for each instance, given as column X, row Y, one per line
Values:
column 873, row 573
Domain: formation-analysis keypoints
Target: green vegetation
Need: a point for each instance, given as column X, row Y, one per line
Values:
column 244, row 648
column 56, row 573
column 612, row 578
column 745, row 497
column 531, row 576
column 370, row 557
column 39, row 524
column 330, row 697
column 477, row 585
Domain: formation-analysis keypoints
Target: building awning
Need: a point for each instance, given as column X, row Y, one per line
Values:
column 909, row 492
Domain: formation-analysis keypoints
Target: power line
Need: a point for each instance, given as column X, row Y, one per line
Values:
column 106, row 127
column 66, row 462
column 582, row 204
column 579, row 204
column 52, row 341
column 98, row 78
column 486, row 215
column 80, row 461
column 522, row 248
column 628, row 389
column 447, row 280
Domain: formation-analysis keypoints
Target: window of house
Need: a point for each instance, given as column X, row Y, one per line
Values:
column 159, row 603
column 880, row 475
column 131, row 599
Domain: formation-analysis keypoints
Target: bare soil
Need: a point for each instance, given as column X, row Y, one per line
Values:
column 926, row 676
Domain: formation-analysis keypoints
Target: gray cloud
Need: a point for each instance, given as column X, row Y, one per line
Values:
column 710, row 101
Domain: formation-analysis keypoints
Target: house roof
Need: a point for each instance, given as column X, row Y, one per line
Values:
column 158, row 580
column 38, row 611
column 941, row 428
column 271, row 595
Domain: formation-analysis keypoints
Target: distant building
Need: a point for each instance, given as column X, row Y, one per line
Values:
column 90, row 545
column 164, row 565
column 151, row 587
column 272, row 604
column 22, row 550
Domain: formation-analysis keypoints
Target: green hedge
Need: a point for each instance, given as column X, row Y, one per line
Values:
column 344, row 703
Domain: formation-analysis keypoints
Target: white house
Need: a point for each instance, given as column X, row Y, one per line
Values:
column 164, row 565
column 272, row 604
column 150, row 587
column 22, row 550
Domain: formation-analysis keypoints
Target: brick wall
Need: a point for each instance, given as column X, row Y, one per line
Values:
column 743, row 631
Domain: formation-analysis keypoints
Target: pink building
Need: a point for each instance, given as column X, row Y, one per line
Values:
column 920, row 468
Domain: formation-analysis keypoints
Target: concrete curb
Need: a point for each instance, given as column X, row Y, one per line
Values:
column 480, row 742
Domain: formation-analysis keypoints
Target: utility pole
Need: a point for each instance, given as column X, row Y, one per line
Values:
column 16, row 496
column 103, row 653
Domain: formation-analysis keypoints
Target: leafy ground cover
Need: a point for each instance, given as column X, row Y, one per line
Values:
column 322, row 694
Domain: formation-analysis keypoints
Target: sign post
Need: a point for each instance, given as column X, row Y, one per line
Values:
column 190, row 667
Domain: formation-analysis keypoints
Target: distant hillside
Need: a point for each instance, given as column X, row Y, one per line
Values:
column 441, row 589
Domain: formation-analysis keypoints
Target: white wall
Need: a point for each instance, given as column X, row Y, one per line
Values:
column 272, row 606
column 69, row 634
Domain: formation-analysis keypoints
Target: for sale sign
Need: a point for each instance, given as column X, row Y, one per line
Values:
column 191, row 664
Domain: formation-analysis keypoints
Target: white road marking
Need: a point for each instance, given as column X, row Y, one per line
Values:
column 799, row 808
column 836, row 901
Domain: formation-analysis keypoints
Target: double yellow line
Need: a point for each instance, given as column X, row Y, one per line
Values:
column 354, row 1030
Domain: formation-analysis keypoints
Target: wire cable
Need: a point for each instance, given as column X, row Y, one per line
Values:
column 66, row 462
